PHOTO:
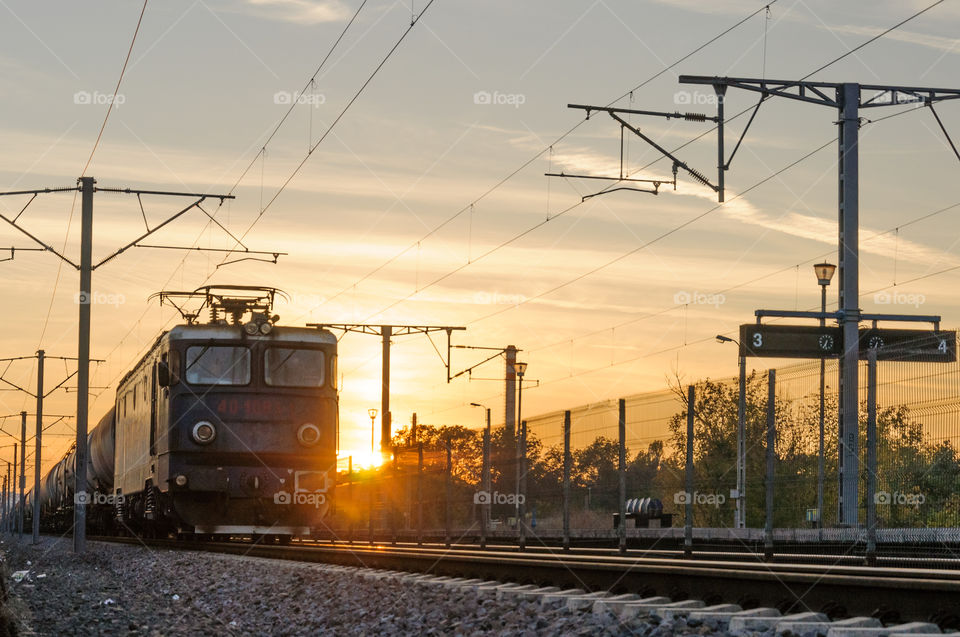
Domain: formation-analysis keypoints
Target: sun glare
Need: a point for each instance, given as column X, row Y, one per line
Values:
column 361, row 459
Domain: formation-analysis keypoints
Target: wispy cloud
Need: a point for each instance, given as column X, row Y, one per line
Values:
column 939, row 43
column 298, row 11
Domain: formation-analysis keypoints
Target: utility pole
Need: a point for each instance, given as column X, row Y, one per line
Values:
column 510, row 378
column 13, row 492
column 386, row 419
column 847, row 98
column 510, row 405
column 36, row 453
column 386, row 332
column 23, row 470
column 86, row 187
column 83, row 365
column 39, row 396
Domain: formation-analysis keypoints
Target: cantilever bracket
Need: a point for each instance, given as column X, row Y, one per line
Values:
column 616, row 113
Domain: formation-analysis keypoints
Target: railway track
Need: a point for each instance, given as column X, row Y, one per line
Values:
column 897, row 593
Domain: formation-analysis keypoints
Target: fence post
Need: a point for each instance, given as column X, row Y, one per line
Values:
column 449, row 493
column 485, row 479
column 688, row 500
column 394, row 497
column 622, row 470
column 566, row 480
column 352, row 512
column 522, row 497
column 419, row 493
column 741, row 512
column 771, row 460
column 871, row 456
column 371, row 500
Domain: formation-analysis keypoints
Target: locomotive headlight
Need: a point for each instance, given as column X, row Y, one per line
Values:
column 308, row 434
column 266, row 328
column 252, row 329
column 204, row 432
column 181, row 480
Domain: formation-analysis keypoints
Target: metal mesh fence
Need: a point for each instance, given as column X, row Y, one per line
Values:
column 423, row 493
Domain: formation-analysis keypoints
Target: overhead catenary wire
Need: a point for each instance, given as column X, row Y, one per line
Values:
column 871, row 40
column 666, row 310
column 757, row 279
column 96, row 145
column 261, row 154
column 616, row 260
column 850, row 52
column 293, row 102
column 536, row 226
column 336, row 121
column 490, row 190
column 538, row 155
column 264, row 207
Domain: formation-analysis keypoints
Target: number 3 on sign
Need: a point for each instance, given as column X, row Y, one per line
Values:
column 757, row 339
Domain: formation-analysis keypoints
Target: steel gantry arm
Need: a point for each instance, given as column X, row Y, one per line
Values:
column 828, row 93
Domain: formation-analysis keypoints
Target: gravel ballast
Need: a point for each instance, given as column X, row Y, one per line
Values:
column 118, row 589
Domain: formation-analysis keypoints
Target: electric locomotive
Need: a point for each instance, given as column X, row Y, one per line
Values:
column 228, row 427
column 223, row 428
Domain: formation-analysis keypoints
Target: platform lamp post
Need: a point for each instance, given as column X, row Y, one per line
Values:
column 824, row 272
column 740, row 515
column 372, row 412
column 520, row 369
column 485, row 479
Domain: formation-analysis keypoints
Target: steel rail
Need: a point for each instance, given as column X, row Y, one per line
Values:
column 914, row 593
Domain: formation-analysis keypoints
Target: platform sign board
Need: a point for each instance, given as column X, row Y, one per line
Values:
column 812, row 341
column 790, row 341
column 921, row 346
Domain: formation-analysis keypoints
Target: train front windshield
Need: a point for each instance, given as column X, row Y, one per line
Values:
column 218, row 365
column 288, row 367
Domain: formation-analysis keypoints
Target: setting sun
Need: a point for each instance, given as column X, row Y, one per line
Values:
column 364, row 459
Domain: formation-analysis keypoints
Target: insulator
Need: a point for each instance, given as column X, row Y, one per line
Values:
column 703, row 180
column 695, row 117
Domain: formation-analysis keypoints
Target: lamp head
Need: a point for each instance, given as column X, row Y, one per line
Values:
column 372, row 413
column 520, row 368
column 724, row 339
column 824, row 272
